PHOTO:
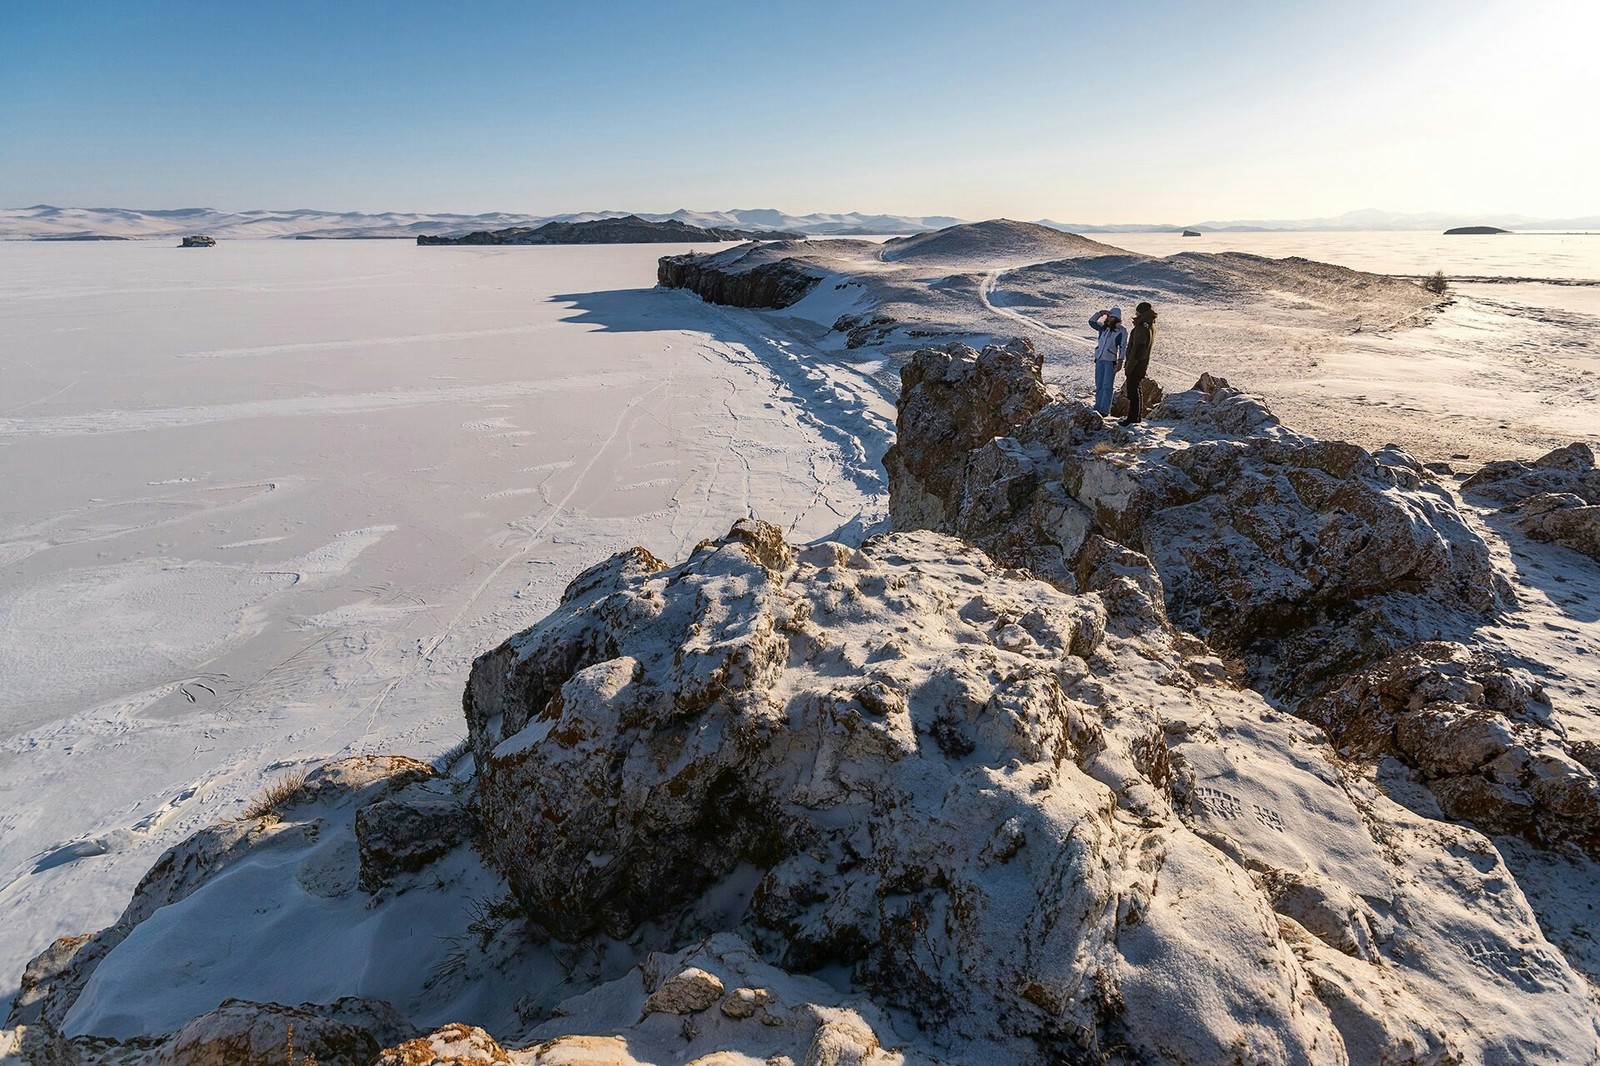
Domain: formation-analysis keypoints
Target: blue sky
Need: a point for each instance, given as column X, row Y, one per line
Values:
column 1147, row 111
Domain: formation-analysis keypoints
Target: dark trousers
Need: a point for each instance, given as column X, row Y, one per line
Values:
column 1134, row 414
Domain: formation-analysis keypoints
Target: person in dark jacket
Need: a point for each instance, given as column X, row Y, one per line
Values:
column 1140, row 341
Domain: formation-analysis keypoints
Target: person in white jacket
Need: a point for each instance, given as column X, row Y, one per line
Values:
column 1109, row 352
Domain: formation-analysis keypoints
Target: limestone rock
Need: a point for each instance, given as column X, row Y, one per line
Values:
column 406, row 831
column 37, row 1044
column 1556, row 497
column 452, row 1045
column 1476, row 732
column 1570, row 470
column 1305, row 558
column 689, row 992
column 1564, row 519
column 349, row 1032
column 952, row 401
column 924, row 760
column 54, row 979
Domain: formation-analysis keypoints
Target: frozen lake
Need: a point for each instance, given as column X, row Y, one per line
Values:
column 263, row 503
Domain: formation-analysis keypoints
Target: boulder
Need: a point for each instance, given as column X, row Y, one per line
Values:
column 404, row 832
column 1476, row 732
column 199, row 242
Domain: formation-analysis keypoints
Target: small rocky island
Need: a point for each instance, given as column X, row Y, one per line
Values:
column 199, row 241
column 1473, row 230
column 630, row 229
column 1192, row 233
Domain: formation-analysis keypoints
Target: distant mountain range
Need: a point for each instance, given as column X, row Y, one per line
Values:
column 45, row 221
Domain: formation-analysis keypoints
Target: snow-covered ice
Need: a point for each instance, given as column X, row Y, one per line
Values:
column 264, row 503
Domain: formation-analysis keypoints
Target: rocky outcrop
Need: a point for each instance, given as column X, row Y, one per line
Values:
column 1304, row 558
column 715, row 1002
column 404, row 832
column 1556, row 497
column 1012, row 811
column 1475, row 731
column 739, row 280
column 630, row 229
column 53, row 981
column 199, row 242
column 349, row 1032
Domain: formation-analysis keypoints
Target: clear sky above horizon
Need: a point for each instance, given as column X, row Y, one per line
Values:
column 1151, row 111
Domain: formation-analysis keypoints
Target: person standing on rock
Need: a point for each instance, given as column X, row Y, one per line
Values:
column 1109, row 351
column 1140, row 341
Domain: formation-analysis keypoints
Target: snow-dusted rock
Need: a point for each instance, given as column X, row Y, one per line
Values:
column 1478, row 733
column 1570, row 469
column 1305, row 558
column 1556, row 497
column 451, row 1045
column 54, row 979
column 38, row 1044
column 951, row 402
column 406, row 831
column 687, row 992
column 346, row 1033
column 752, row 275
column 1039, row 822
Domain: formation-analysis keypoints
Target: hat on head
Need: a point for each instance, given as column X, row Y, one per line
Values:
column 1115, row 312
column 1143, row 308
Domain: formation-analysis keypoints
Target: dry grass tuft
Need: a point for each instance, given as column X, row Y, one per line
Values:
column 276, row 795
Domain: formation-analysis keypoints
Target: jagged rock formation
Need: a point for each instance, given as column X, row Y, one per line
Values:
column 756, row 276
column 926, row 762
column 1303, row 558
column 712, row 1003
column 630, row 229
column 1556, row 497
column 1476, row 732
column 199, row 242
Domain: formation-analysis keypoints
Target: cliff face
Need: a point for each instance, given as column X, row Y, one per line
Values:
column 718, row 279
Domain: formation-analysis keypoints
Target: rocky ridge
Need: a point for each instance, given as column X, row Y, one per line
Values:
column 630, row 229
column 1343, row 583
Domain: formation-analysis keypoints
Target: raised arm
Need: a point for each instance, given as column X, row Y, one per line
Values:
column 1095, row 321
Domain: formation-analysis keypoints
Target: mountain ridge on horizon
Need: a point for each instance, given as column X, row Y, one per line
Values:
column 49, row 221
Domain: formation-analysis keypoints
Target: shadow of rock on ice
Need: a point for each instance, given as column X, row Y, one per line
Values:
column 826, row 392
